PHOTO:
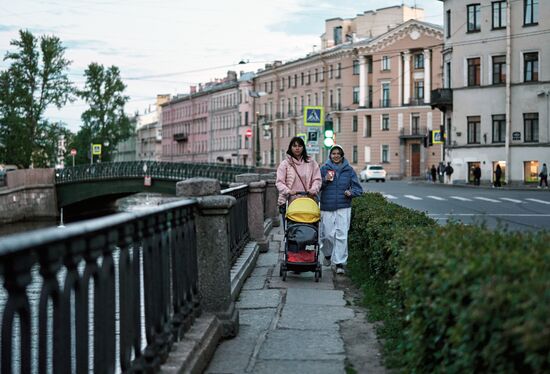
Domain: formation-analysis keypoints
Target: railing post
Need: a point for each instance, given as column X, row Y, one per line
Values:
column 271, row 198
column 256, row 190
column 213, row 249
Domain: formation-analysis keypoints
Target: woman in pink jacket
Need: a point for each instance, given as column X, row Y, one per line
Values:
column 298, row 172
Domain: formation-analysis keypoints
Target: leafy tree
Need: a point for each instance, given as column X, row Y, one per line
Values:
column 36, row 79
column 105, row 119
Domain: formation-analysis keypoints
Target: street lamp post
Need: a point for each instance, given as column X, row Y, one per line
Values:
column 269, row 127
column 258, row 155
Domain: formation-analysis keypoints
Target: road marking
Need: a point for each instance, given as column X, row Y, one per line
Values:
column 539, row 201
column 460, row 198
column 390, row 197
column 487, row 199
column 412, row 197
column 436, row 198
column 511, row 200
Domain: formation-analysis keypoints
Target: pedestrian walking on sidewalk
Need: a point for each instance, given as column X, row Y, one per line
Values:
column 433, row 172
column 477, row 175
column 297, row 172
column 449, row 172
column 340, row 184
column 498, row 175
column 543, row 176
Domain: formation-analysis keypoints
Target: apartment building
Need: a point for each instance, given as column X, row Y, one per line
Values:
column 185, row 132
column 149, row 132
column 496, row 88
column 210, row 123
column 376, row 88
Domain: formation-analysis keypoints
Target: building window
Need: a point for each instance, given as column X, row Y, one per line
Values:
column 330, row 72
column 419, row 61
column 385, row 153
column 385, row 122
column 474, row 130
column 354, row 155
column 448, row 25
column 499, row 14
column 530, row 12
column 338, row 70
column 499, row 128
column 419, row 90
column 369, row 64
column 474, row 21
column 531, row 67
column 308, row 81
column 337, row 35
column 448, row 75
column 415, row 124
column 474, row 71
column 531, row 127
column 316, row 75
column 368, row 127
column 355, row 67
column 385, row 95
column 499, row 69
column 385, row 62
column 354, row 124
column 356, row 95
column 302, row 78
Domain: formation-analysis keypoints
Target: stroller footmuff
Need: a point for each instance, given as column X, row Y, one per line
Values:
column 302, row 238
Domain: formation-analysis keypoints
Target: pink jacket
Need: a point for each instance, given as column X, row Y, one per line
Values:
column 288, row 181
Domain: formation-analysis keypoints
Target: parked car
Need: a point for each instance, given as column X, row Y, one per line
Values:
column 373, row 172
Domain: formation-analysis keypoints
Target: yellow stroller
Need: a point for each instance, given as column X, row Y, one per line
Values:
column 301, row 237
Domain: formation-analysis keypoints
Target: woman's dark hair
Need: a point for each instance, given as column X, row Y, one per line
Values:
column 300, row 141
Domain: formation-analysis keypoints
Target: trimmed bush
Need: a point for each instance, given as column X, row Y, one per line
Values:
column 453, row 299
column 476, row 301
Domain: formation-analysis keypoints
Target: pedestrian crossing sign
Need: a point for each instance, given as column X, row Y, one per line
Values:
column 314, row 116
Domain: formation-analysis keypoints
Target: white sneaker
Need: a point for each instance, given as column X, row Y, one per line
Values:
column 326, row 261
column 340, row 269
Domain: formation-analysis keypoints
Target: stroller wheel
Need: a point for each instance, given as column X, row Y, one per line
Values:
column 281, row 270
column 317, row 275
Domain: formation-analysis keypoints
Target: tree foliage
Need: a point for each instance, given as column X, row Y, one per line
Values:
column 36, row 79
column 104, row 120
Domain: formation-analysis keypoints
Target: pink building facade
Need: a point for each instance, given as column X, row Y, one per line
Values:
column 210, row 124
column 377, row 91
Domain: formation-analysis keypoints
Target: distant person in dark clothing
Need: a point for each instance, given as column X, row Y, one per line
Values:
column 498, row 175
column 433, row 172
column 449, row 172
column 477, row 175
column 543, row 176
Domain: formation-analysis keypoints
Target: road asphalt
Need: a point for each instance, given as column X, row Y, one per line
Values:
column 286, row 327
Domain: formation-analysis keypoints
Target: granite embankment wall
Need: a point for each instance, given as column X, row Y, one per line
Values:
column 28, row 194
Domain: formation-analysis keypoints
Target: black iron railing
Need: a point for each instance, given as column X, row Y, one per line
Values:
column 158, row 170
column 238, row 221
column 67, row 293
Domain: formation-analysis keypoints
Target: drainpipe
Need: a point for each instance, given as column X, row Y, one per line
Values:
column 508, row 92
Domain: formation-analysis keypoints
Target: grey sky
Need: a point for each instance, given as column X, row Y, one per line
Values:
column 163, row 47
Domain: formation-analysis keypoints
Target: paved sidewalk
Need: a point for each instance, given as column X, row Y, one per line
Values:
column 285, row 327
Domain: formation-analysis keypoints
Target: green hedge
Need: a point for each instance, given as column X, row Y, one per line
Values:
column 460, row 298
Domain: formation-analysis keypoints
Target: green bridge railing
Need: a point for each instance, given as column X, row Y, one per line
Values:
column 157, row 170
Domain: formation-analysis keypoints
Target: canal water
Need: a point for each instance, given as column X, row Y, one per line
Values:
column 135, row 202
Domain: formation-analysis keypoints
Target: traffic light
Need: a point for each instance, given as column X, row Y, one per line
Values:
column 328, row 134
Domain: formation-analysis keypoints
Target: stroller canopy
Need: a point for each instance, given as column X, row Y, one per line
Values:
column 304, row 210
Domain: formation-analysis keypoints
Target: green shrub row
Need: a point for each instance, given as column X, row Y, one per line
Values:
column 459, row 298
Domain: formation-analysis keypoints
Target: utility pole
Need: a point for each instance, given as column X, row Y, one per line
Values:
column 508, row 93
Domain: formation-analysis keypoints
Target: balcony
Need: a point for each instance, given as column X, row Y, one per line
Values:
column 180, row 137
column 442, row 99
column 414, row 132
column 335, row 107
column 415, row 101
column 385, row 103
